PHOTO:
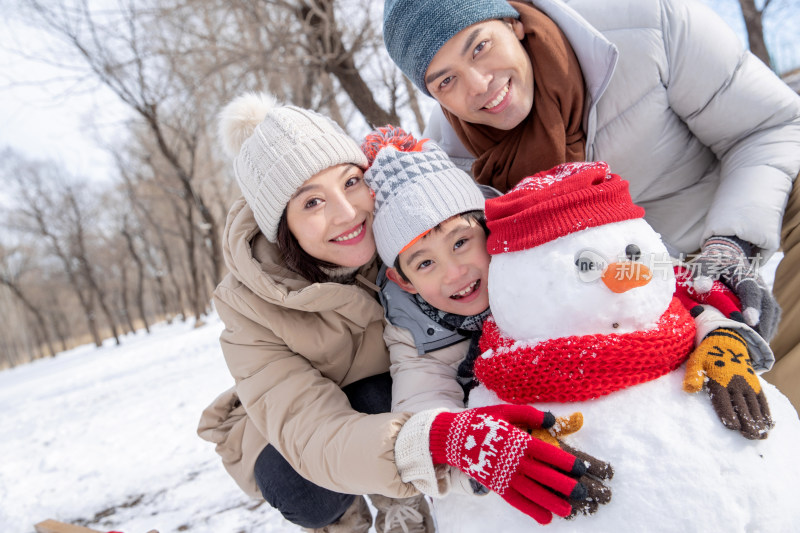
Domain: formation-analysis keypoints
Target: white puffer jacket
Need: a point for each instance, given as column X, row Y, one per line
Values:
column 707, row 135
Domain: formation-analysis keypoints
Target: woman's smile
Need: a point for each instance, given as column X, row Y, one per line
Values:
column 352, row 236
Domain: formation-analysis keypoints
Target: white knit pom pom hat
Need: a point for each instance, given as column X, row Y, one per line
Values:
column 276, row 148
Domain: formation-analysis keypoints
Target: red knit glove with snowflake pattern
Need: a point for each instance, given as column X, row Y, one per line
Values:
column 487, row 444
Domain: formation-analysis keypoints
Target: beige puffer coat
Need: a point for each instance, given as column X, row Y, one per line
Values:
column 291, row 346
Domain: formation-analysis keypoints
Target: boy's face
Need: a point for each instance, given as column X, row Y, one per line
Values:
column 448, row 267
column 483, row 75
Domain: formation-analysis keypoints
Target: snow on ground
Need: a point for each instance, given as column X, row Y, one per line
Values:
column 106, row 438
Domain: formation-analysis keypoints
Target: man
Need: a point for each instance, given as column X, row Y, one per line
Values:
column 662, row 90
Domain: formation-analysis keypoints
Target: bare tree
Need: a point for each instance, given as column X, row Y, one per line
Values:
column 141, row 194
column 48, row 210
column 139, row 291
column 77, row 220
column 769, row 27
column 325, row 43
column 174, row 64
column 116, row 50
column 318, row 54
column 13, row 265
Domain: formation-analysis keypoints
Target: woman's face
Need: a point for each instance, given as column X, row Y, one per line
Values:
column 330, row 215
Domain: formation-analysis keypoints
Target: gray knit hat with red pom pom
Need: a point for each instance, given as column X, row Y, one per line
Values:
column 276, row 149
column 415, row 191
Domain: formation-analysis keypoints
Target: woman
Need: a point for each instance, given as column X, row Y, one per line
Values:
column 308, row 424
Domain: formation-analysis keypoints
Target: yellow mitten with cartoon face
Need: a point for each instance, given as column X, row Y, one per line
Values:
column 722, row 362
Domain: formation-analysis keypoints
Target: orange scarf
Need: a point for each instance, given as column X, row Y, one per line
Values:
column 553, row 132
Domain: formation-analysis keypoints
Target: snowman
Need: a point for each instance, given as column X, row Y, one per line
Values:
column 586, row 319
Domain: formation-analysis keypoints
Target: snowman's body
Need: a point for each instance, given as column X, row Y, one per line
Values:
column 677, row 468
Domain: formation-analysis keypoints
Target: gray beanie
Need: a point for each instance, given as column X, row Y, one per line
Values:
column 276, row 149
column 414, row 30
column 415, row 192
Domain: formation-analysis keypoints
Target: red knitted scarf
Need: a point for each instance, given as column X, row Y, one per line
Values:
column 570, row 369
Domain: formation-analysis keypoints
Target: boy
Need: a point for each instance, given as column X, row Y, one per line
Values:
column 430, row 233
column 430, row 227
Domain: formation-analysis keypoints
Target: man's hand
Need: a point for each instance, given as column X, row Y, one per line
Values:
column 733, row 385
column 728, row 259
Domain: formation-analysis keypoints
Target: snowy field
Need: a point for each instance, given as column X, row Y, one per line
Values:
column 106, row 438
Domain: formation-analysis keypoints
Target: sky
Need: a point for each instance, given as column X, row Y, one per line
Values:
column 45, row 117
column 105, row 437
column 52, row 120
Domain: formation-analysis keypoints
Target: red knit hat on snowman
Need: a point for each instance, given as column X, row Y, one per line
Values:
column 560, row 201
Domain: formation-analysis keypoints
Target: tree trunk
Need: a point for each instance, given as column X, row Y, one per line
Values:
column 190, row 194
column 191, row 259
column 127, row 316
column 88, row 309
column 37, row 315
column 139, row 278
column 755, row 29
column 57, row 320
column 85, row 300
column 338, row 60
column 160, row 245
column 84, row 265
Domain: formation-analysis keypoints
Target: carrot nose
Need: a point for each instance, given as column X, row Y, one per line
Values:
column 626, row 275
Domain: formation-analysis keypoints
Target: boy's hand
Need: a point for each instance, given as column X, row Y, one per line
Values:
column 733, row 385
column 486, row 443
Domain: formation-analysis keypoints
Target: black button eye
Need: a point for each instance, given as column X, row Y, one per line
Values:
column 633, row 252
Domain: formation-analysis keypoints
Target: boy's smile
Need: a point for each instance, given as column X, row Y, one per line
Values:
column 448, row 267
column 470, row 291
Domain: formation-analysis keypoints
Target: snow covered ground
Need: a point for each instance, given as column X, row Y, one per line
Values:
column 106, row 438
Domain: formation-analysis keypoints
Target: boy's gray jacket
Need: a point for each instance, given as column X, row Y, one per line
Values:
column 707, row 135
column 403, row 311
column 290, row 346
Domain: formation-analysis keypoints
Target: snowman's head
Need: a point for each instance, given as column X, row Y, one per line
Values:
column 572, row 255
column 615, row 278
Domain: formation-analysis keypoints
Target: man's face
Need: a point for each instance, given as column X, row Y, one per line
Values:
column 483, row 75
column 448, row 267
